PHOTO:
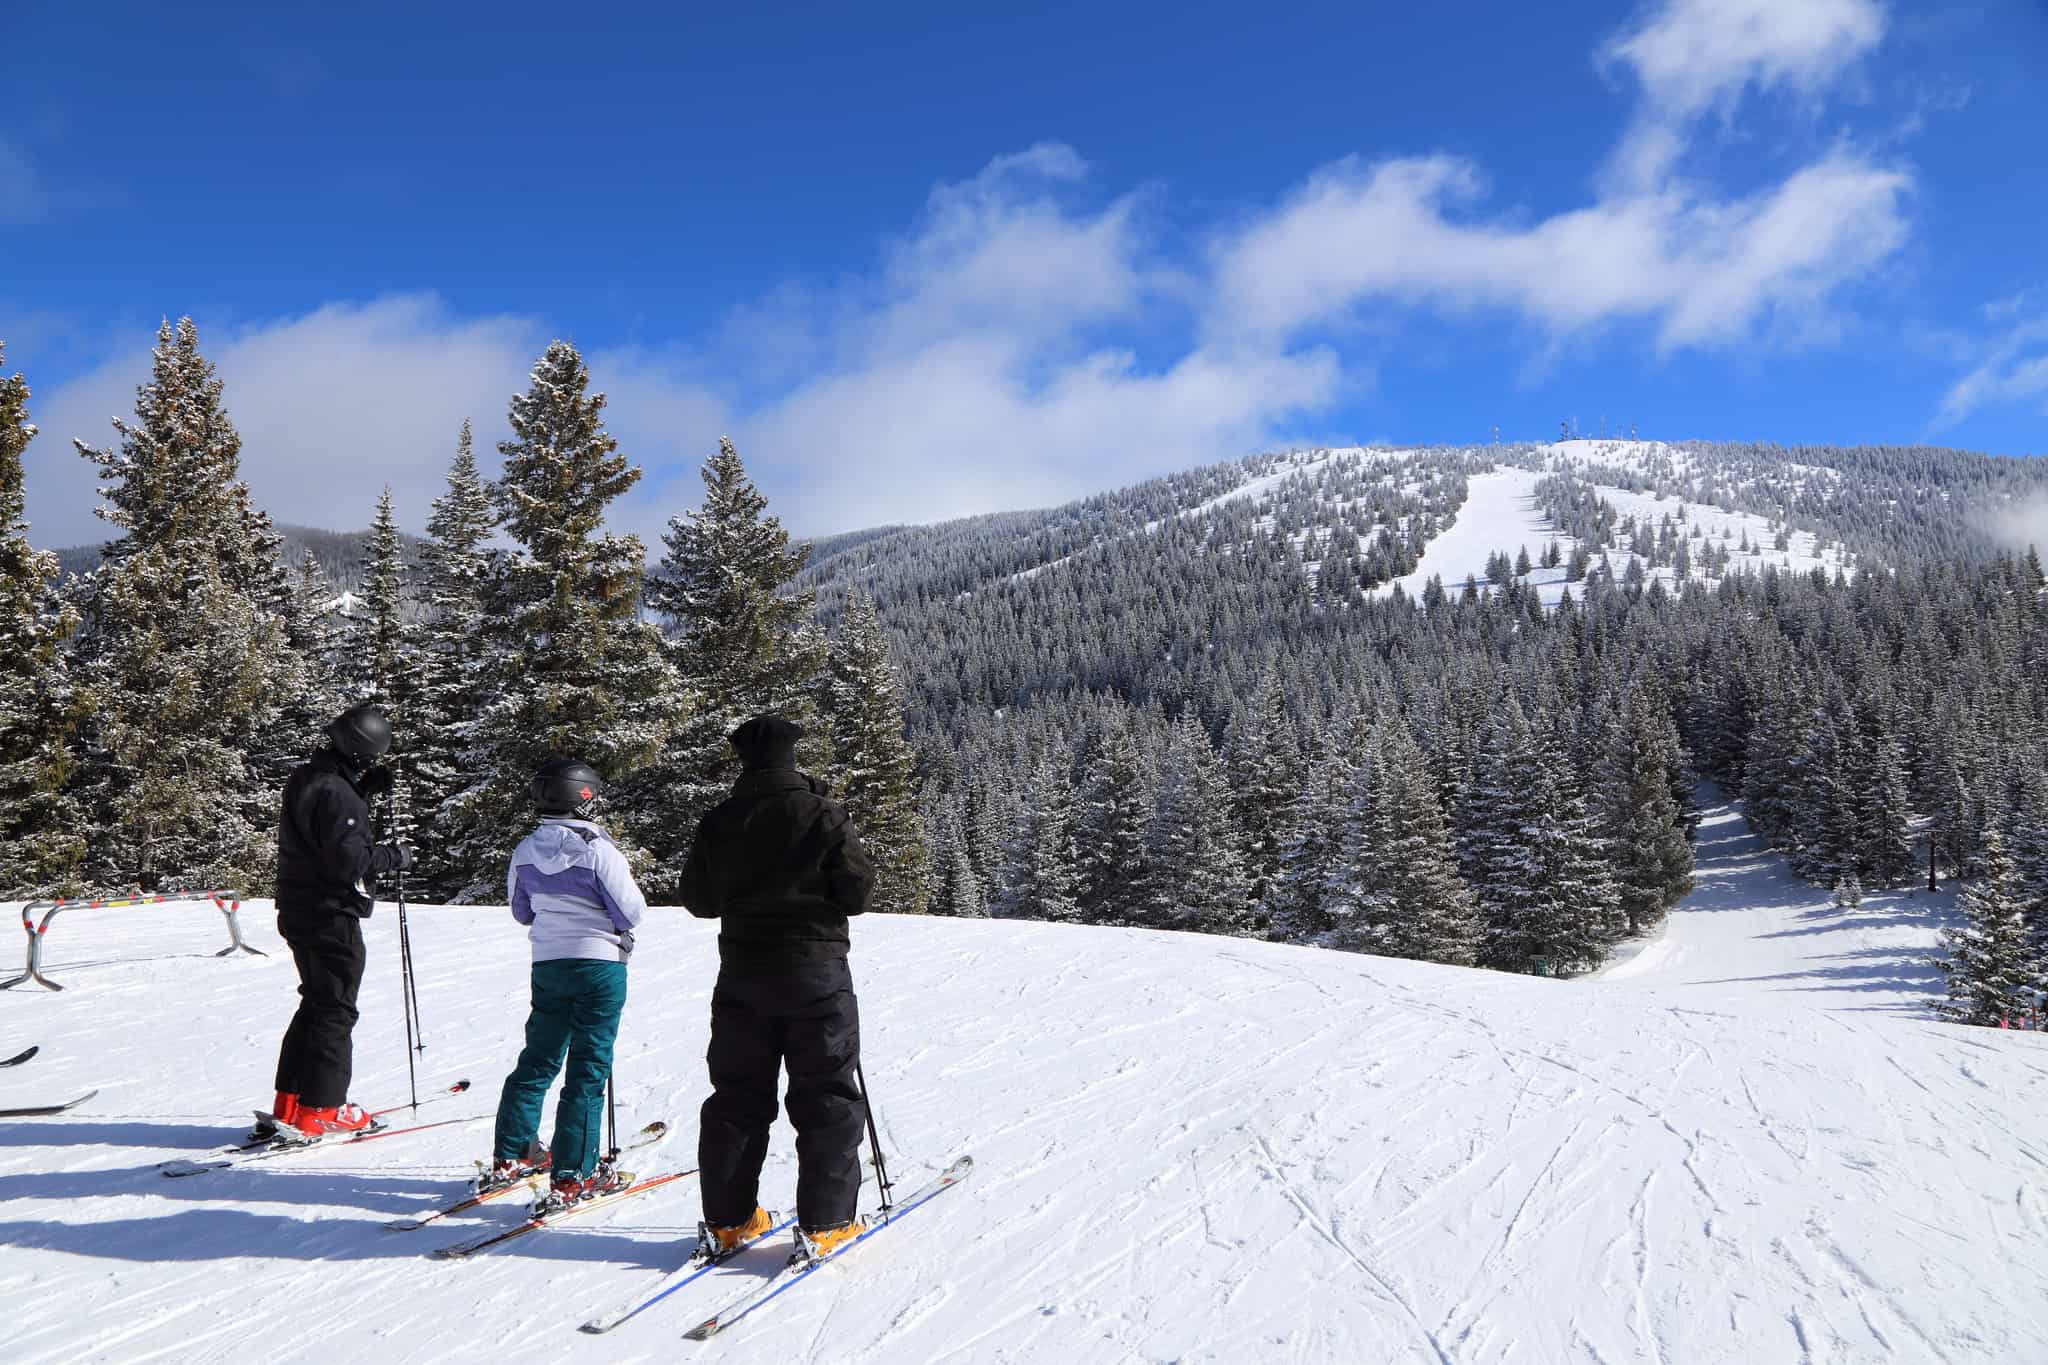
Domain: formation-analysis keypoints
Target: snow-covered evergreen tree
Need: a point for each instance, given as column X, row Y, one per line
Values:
column 741, row 636
column 1263, row 761
column 383, row 641
column 873, row 768
column 573, row 669
column 1396, row 890
column 1994, row 966
column 1044, row 879
column 1198, row 862
column 1115, row 822
column 1645, row 826
column 41, row 842
column 454, row 668
column 186, row 671
column 1297, row 906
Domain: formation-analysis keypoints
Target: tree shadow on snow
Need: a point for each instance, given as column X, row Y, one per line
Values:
column 223, row 1234
column 1862, row 969
column 393, row 1195
column 174, row 1137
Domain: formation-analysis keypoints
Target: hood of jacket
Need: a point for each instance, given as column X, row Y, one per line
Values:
column 558, row 845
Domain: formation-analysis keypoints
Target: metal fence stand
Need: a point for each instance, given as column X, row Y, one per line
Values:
column 227, row 902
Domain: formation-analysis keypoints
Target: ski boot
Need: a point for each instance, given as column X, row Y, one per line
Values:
column 714, row 1243
column 504, row 1172
column 311, row 1122
column 568, row 1190
column 282, row 1111
column 816, row 1245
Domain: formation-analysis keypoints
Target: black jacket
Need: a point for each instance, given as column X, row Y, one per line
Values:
column 781, row 866
column 326, row 864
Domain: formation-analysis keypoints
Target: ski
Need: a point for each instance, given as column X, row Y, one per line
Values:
column 473, row 1245
column 252, row 1142
column 651, row 1134
column 799, row 1270
column 696, row 1268
column 274, row 1149
column 42, row 1111
column 18, row 1058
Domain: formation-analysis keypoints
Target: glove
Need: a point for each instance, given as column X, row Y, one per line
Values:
column 375, row 783
column 391, row 858
column 626, row 942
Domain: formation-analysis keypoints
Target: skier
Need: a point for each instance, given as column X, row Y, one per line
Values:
column 570, row 885
column 780, row 866
column 326, row 866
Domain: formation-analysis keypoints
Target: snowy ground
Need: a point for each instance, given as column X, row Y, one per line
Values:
column 1746, row 1144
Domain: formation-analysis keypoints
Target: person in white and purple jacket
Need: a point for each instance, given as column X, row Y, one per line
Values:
column 571, row 887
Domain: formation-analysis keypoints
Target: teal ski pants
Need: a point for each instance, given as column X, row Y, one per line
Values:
column 576, row 1007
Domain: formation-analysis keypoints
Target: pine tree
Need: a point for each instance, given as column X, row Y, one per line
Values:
column 1397, row 892
column 1199, row 879
column 742, row 639
column 384, row 639
column 1644, row 824
column 453, row 669
column 1994, row 968
column 1115, row 819
column 964, row 896
column 1264, row 765
column 873, row 767
column 184, row 666
column 41, row 843
column 574, row 670
column 1044, row 880
column 1297, row 906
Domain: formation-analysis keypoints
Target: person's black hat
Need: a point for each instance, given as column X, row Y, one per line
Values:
column 564, row 786
column 361, row 734
column 766, row 742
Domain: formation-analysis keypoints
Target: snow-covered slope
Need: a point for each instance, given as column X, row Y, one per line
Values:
column 1746, row 1144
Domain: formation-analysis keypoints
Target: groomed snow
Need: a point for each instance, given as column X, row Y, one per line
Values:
column 1499, row 513
column 1747, row 1144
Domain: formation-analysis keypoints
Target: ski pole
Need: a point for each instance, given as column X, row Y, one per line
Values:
column 611, row 1104
column 875, row 1141
column 405, row 1001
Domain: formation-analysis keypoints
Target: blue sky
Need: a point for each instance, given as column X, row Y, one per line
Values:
column 921, row 262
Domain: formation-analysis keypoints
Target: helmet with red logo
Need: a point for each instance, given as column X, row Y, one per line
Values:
column 564, row 786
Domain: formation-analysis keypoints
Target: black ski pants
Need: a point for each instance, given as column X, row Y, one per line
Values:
column 806, row 1019
column 318, row 1056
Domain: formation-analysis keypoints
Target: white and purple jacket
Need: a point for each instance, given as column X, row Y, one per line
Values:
column 570, row 884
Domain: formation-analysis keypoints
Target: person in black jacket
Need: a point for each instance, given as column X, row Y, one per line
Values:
column 781, row 868
column 326, row 867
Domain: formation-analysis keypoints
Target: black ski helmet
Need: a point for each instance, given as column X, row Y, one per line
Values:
column 564, row 786
column 361, row 734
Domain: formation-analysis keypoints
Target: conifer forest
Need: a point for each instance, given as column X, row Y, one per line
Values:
column 1240, row 700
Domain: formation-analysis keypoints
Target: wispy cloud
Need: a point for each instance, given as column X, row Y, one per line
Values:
column 2011, row 361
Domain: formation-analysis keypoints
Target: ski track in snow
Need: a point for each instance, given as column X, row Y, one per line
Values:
column 1745, row 1141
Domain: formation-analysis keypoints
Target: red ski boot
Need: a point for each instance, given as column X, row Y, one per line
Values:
column 323, row 1122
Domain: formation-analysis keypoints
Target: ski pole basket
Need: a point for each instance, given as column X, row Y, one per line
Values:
column 227, row 902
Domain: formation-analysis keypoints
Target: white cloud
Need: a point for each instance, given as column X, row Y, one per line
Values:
column 2012, row 364
column 1704, row 271
column 1650, row 246
column 1695, row 55
column 331, row 406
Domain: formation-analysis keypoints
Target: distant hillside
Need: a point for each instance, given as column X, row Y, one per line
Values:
column 340, row 553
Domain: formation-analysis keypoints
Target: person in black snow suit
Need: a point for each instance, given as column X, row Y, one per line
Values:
column 781, row 868
column 326, row 867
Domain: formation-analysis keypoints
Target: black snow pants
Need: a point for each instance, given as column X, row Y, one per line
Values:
column 805, row 1018
column 317, row 1057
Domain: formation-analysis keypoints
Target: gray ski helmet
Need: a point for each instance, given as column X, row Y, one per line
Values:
column 361, row 734
column 564, row 786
